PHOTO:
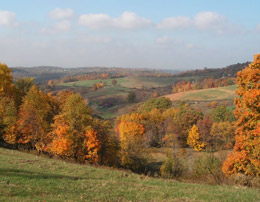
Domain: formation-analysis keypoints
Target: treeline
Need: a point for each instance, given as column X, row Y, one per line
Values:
column 206, row 83
column 82, row 77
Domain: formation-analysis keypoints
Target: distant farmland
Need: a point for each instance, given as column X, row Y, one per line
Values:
column 221, row 93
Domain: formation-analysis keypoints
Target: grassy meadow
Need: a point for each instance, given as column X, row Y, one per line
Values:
column 27, row 177
column 212, row 94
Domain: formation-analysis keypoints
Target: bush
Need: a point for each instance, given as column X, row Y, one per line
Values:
column 172, row 167
column 208, row 168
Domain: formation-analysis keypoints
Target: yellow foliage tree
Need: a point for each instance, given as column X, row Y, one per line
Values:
column 223, row 133
column 194, row 139
column 132, row 138
column 6, row 81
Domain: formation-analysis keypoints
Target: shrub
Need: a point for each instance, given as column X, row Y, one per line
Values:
column 172, row 167
column 208, row 168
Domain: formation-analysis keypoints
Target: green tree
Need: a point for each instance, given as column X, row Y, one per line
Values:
column 222, row 113
column 155, row 103
column 131, row 97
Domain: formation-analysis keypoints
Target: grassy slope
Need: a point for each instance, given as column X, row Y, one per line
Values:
column 25, row 178
column 211, row 94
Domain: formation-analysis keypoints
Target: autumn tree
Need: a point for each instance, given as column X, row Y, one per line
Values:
column 23, row 86
column 131, row 98
column 222, row 113
column 6, row 82
column 131, row 134
column 35, row 117
column 245, row 158
column 114, row 82
column 8, row 118
column 70, row 129
column 154, row 123
column 77, row 135
column 184, row 119
column 161, row 103
column 223, row 135
column 194, row 139
column 204, row 126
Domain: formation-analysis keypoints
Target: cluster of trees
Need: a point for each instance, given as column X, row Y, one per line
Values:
column 157, row 124
column 209, row 82
column 61, row 125
column 97, row 86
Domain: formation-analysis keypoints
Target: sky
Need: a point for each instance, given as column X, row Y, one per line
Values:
column 158, row 34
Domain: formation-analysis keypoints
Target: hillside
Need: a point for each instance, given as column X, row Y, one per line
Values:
column 26, row 177
column 212, row 94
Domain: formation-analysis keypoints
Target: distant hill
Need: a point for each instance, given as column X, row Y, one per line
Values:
column 228, row 71
column 45, row 73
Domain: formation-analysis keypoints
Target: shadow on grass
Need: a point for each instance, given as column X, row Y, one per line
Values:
column 37, row 175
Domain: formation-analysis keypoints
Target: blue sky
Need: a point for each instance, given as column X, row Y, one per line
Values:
column 165, row 34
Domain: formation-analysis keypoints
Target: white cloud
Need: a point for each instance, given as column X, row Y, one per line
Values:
column 175, row 23
column 95, row 21
column 60, row 14
column 128, row 20
column 61, row 26
column 7, row 18
column 211, row 21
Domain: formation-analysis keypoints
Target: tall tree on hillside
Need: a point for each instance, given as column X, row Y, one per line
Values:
column 69, row 129
column 184, row 119
column 35, row 116
column 8, row 118
column 246, row 156
column 194, row 139
column 23, row 86
column 6, row 81
column 132, row 138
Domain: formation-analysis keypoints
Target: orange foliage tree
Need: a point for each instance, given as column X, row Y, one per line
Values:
column 245, row 158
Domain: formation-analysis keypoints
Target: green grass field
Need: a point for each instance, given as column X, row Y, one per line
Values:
column 130, row 82
column 221, row 93
column 27, row 178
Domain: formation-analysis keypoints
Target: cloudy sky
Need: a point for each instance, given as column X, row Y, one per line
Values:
column 166, row 34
